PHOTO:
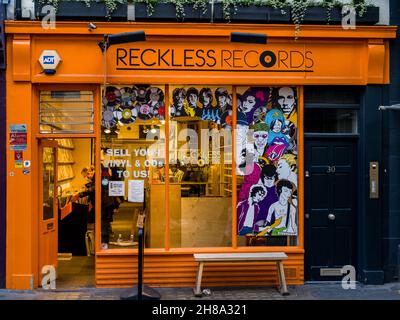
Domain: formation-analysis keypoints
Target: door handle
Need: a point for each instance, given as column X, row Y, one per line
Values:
column 331, row 216
column 307, row 174
column 307, row 216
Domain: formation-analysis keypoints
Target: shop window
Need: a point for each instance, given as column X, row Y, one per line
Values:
column 132, row 165
column 199, row 173
column 332, row 94
column 330, row 120
column 66, row 112
column 200, row 166
column 266, row 157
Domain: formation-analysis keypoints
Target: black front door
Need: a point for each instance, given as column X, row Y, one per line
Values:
column 330, row 207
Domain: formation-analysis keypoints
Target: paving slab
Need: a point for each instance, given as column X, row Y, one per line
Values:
column 308, row 291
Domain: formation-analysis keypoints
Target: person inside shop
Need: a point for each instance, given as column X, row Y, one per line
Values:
column 159, row 174
column 108, row 204
column 89, row 175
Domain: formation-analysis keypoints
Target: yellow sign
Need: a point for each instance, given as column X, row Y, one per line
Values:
column 18, row 164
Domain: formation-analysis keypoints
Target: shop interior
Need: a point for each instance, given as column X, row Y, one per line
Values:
column 200, row 201
column 75, row 192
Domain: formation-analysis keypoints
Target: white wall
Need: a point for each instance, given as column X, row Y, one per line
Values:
column 383, row 5
column 384, row 12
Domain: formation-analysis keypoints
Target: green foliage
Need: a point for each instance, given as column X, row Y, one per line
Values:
column 361, row 6
column 298, row 8
column 53, row 3
column 111, row 5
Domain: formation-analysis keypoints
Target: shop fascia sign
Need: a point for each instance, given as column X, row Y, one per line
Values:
column 194, row 59
column 49, row 60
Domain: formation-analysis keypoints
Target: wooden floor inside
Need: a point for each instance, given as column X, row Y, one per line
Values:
column 76, row 273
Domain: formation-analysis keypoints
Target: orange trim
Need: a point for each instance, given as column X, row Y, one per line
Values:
column 64, row 136
column 339, row 56
column 97, row 143
column 300, row 161
column 234, row 177
column 35, row 180
column 21, row 50
column 152, row 251
column 35, row 155
column 47, row 240
column 386, row 78
column 166, row 96
column 21, row 224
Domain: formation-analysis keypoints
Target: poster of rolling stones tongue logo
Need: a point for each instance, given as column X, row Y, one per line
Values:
column 266, row 144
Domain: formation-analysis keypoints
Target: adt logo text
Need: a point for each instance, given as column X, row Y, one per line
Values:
column 48, row 59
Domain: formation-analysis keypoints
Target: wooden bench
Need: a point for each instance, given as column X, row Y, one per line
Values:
column 240, row 257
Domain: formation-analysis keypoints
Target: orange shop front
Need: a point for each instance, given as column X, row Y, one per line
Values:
column 230, row 167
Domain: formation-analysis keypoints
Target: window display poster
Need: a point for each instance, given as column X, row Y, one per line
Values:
column 207, row 103
column 267, row 160
column 136, row 191
column 116, row 189
column 122, row 105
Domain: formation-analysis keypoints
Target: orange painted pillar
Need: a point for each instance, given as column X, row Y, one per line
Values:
column 21, row 251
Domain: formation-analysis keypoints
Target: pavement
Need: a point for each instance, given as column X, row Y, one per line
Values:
column 308, row 291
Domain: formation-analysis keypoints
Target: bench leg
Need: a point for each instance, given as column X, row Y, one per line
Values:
column 282, row 280
column 197, row 290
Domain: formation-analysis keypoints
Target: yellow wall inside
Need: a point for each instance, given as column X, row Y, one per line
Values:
column 206, row 222
column 81, row 155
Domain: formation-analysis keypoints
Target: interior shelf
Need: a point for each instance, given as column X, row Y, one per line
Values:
column 65, row 160
column 68, row 148
column 65, row 179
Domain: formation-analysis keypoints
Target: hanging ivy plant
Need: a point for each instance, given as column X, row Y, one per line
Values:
column 361, row 6
column 53, row 3
column 201, row 4
column 226, row 8
column 298, row 8
column 149, row 5
column 180, row 6
column 111, row 5
column 228, row 5
column 329, row 4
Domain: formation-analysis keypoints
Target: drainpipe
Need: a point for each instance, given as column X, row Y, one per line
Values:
column 18, row 10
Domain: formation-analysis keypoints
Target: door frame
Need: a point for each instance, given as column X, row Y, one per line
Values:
column 46, row 143
column 355, row 138
column 37, row 88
